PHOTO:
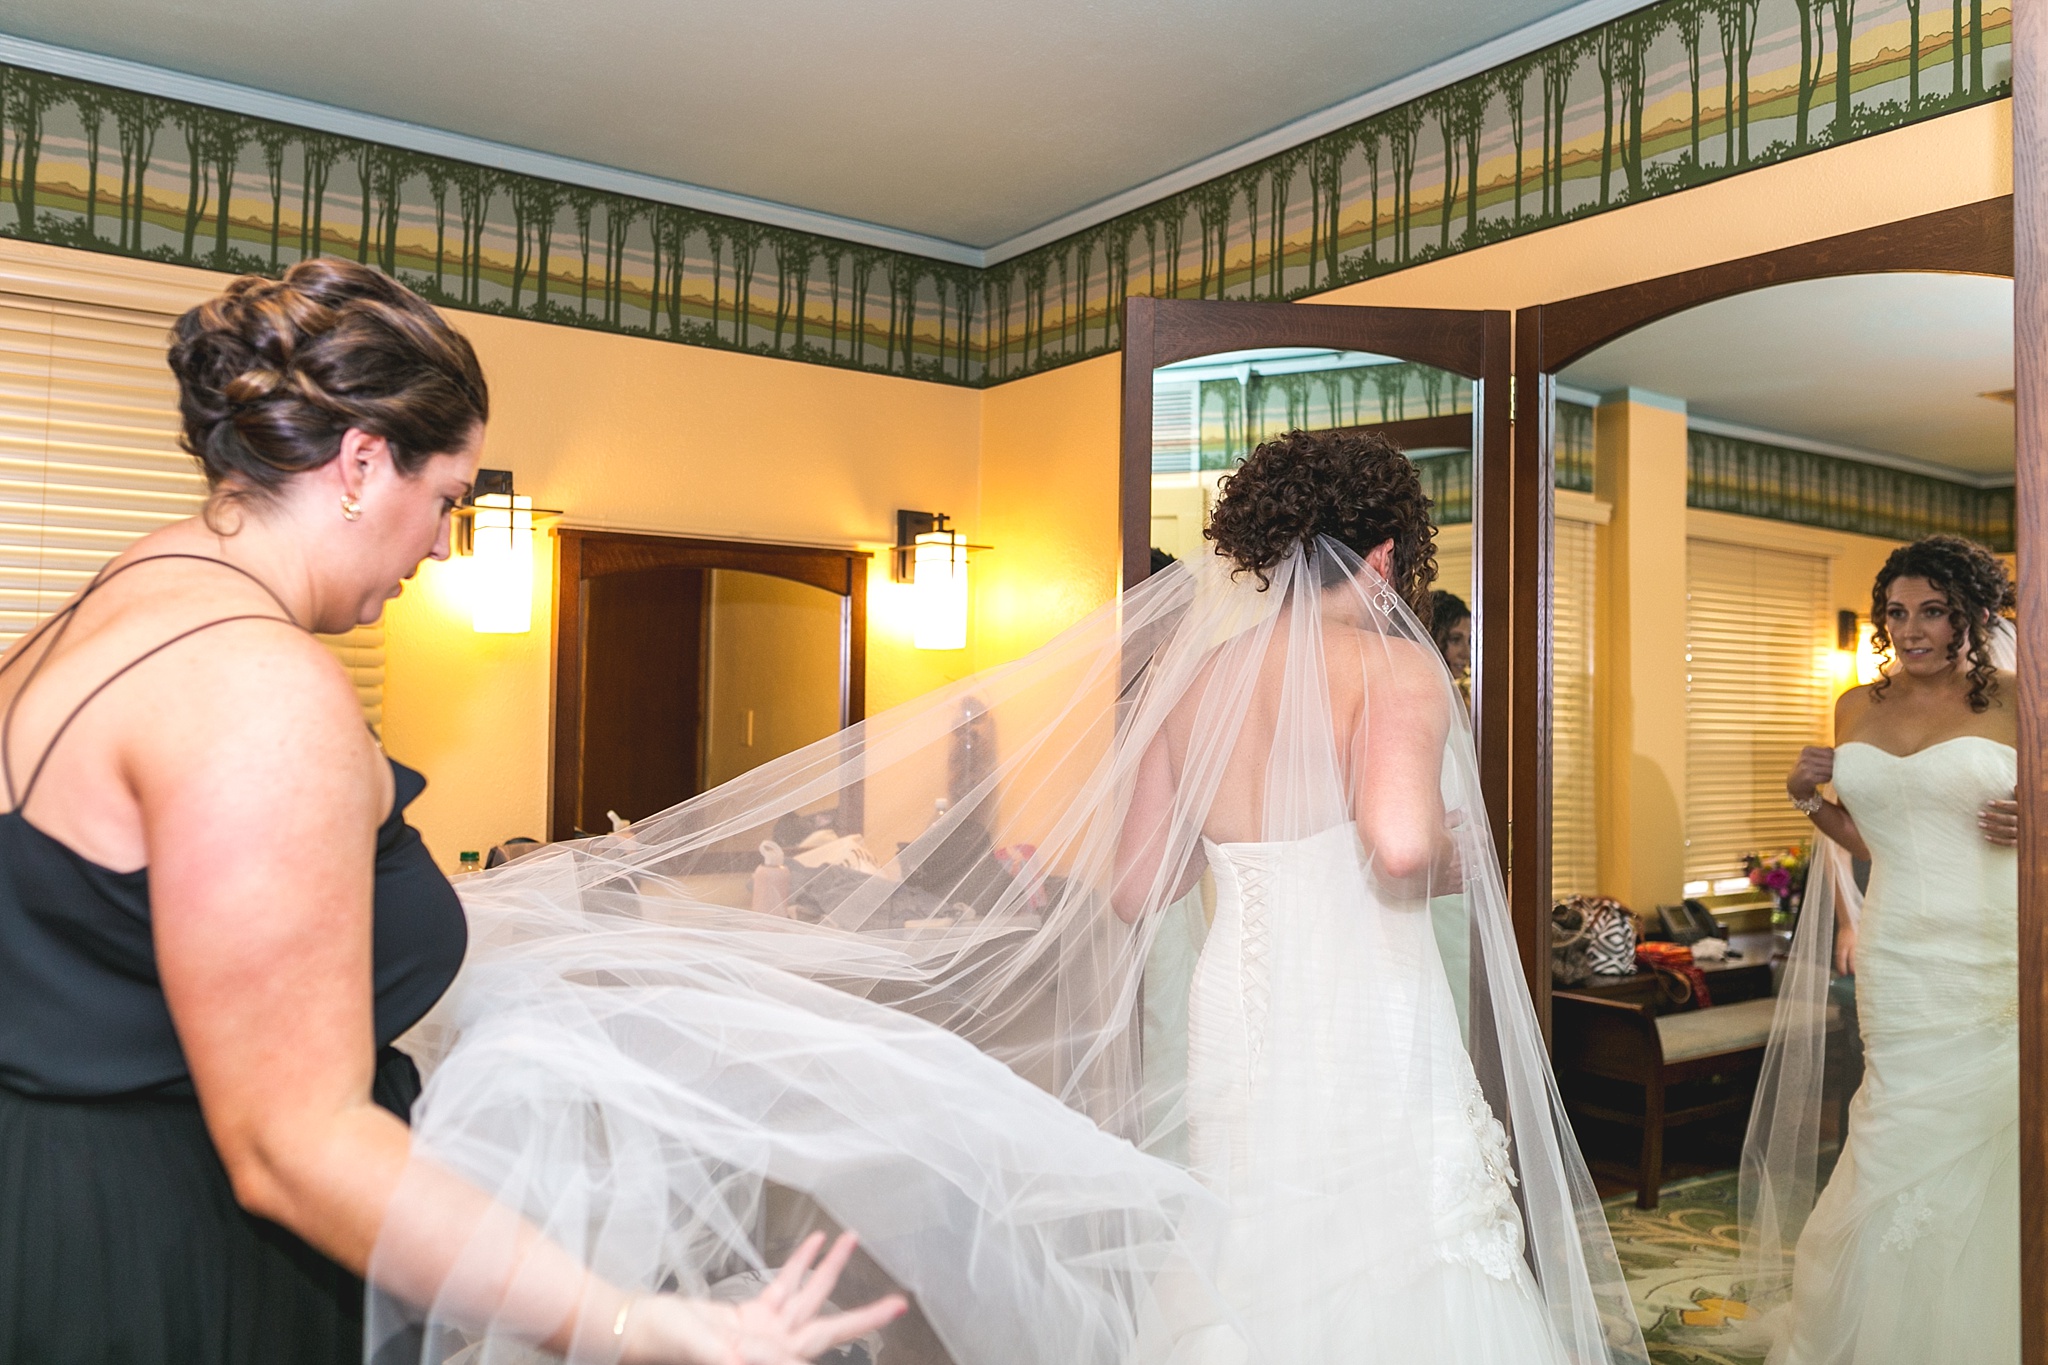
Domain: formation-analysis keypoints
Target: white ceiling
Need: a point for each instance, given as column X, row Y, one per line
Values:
column 1887, row 363
column 972, row 121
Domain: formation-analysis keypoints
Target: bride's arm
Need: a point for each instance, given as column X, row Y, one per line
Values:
column 1146, row 841
column 1397, row 796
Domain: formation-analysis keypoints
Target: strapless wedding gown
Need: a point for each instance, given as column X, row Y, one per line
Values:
column 1911, row 1254
column 1332, row 1102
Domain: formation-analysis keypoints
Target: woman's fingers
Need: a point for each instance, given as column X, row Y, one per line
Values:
column 805, row 1302
column 2000, row 822
column 791, row 1276
column 840, row 1328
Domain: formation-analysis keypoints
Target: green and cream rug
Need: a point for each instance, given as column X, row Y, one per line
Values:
column 1680, row 1262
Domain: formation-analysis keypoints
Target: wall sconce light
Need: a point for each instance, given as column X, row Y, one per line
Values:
column 494, row 528
column 932, row 558
column 1856, row 651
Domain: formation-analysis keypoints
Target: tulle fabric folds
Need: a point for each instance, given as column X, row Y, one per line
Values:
column 1104, row 993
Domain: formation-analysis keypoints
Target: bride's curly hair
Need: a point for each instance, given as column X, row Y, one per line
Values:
column 1979, row 592
column 1354, row 487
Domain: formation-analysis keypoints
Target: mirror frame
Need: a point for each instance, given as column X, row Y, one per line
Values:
column 1972, row 239
column 1471, row 342
column 583, row 555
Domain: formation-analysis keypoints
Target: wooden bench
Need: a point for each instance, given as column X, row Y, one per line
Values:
column 1689, row 1067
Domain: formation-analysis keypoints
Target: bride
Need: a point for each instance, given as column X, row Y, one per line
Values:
column 1100, row 991
column 1911, row 1252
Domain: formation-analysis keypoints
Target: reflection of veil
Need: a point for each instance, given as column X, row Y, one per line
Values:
column 670, row 1047
column 1811, row 1066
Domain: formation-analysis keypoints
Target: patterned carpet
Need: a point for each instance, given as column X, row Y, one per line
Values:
column 1680, row 1260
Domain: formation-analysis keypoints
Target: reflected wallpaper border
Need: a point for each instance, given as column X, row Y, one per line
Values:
column 1673, row 95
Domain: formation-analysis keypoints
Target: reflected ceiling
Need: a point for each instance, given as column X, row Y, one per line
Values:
column 1887, row 363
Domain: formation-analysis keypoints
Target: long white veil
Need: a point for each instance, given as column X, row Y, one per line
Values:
column 882, row 982
column 1812, row 1066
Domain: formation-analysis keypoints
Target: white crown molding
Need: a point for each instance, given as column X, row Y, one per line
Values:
column 1841, row 452
column 1506, row 48
column 328, row 118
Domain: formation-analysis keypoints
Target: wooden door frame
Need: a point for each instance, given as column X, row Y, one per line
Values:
column 581, row 555
column 1471, row 342
column 1972, row 239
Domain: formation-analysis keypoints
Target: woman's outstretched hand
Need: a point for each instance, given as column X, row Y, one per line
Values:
column 779, row 1327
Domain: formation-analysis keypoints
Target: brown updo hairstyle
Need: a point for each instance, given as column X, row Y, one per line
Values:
column 272, row 372
column 1356, row 488
column 1979, row 592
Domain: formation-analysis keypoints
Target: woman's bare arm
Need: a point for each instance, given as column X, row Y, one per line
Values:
column 1397, row 796
column 261, row 796
column 1146, row 840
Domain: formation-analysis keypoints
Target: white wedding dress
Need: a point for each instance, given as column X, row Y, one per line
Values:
column 1911, row 1253
column 1332, row 1102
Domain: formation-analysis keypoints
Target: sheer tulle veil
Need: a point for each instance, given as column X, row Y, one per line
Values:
column 881, row 983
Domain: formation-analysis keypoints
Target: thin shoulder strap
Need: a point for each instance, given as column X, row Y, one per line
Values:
column 60, row 623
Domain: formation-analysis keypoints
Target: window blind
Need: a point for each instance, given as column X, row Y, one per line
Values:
column 1757, row 690
column 89, row 461
column 1574, row 825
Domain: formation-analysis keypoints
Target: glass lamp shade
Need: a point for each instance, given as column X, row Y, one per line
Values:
column 502, row 565
column 939, row 581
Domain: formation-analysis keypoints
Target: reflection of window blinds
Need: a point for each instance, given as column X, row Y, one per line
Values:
column 1574, row 828
column 1757, row 689
column 1176, row 448
column 89, row 460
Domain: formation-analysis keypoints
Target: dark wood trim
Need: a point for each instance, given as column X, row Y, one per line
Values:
column 1973, row 239
column 1530, row 649
column 1475, row 344
column 582, row 555
column 1452, row 432
column 2030, row 402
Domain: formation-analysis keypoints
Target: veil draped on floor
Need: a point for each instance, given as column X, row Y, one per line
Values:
column 928, row 978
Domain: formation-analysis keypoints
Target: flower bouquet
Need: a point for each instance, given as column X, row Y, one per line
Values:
column 1783, row 874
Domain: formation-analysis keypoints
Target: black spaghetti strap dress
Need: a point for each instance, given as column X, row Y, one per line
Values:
column 120, row 1239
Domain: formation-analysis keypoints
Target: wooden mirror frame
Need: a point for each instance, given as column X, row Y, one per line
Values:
column 1973, row 239
column 1469, row 342
column 583, row 555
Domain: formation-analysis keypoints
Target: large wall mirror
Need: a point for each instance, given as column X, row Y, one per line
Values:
column 681, row 664
column 1731, row 457
column 1205, row 382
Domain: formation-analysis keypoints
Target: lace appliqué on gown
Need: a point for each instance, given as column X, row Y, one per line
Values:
column 1475, row 1205
column 1909, row 1220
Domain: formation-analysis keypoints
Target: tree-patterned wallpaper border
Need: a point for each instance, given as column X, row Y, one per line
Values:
column 1670, row 96
column 1753, row 479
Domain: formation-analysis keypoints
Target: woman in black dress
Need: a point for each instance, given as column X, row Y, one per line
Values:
column 214, row 920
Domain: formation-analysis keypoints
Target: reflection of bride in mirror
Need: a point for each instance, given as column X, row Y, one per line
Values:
column 1330, row 1095
column 1910, row 1253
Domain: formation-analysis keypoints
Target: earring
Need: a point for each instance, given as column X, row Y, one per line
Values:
column 350, row 509
column 1384, row 599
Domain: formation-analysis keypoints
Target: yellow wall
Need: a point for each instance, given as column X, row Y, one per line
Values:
column 629, row 434
column 1048, row 505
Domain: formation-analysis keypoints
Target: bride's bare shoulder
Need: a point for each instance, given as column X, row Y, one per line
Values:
column 1405, row 671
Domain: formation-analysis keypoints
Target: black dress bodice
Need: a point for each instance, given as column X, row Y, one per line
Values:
column 82, row 1013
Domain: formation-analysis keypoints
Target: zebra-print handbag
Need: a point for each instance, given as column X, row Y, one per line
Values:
column 1591, row 936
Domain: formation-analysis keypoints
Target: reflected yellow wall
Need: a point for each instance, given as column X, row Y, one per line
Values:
column 1639, row 708
column 771, row 669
